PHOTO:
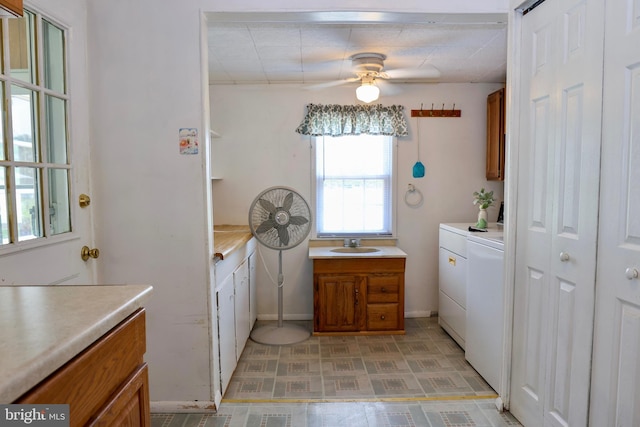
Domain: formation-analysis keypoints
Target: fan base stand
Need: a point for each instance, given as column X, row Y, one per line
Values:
column 280, row 335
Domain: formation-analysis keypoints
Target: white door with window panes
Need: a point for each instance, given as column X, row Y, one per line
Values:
column 42, row 170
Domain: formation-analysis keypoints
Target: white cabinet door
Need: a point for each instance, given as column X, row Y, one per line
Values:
column 615, row 391
column 226, row 331
column 243, row 326
column 557, row 210
column 253, row 293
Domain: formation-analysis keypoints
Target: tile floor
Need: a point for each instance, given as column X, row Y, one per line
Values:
column 424, row 363
column 417, row 379
column 479, row 413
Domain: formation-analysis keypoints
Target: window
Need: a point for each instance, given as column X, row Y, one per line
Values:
column 35, row 169
column 354, row 180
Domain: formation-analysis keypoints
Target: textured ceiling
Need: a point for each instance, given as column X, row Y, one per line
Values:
column 301, row 48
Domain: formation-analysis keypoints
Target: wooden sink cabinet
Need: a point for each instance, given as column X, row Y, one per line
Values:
column 358, row 296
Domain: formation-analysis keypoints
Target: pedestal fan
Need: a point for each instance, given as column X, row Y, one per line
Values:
column 280, row 219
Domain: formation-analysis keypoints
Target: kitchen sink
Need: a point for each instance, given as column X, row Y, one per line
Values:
column 356, row 250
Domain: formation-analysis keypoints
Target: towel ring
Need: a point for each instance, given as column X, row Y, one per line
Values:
column 414, row 204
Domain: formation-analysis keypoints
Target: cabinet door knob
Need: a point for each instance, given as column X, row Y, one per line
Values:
column 564, row 257
column 382, row 317
column 383, row 289
column 452, row 261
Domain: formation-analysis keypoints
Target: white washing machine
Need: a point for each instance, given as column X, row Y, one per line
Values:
column 485, row 306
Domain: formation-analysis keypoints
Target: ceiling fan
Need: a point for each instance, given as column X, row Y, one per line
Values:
column 369, row 69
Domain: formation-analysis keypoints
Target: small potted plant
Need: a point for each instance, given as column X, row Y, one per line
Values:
column 483, row 199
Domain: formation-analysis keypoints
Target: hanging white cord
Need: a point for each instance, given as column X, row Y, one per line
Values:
column 418, row 135
column 264, row 264
column 412, row 189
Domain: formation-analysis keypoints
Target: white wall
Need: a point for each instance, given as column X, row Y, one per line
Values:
column 258, row 148
column 151, row 220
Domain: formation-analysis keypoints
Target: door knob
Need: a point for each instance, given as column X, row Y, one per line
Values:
column 631, row 273
column 564, row 257
column 87, row 253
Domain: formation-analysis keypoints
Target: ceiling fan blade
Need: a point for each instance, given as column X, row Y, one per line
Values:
column 428, row 72
column 387, row 88
column 333, row 83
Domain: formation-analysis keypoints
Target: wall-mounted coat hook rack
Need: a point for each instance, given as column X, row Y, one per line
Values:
column 436, row 112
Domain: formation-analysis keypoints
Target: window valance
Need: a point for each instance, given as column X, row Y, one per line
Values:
column 337, row 120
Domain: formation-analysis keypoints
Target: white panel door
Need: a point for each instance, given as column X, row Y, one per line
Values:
column 226, row 331
column 557, row 212
column 615, row 391
column 242, row 314
column 253, row 293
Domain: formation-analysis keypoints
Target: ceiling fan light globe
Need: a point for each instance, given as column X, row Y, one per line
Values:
column 367, row 93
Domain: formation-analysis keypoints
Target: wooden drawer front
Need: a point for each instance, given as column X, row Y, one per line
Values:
column 130, row 405
column 454, row 242
column 91, row 378
column 383, row 288
column 382, row 317
column 358, row 265
column 452, row 276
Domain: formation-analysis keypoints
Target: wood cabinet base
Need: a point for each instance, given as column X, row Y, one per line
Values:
column 105, row 385
column 360, row 296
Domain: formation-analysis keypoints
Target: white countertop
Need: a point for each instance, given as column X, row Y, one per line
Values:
column 43, row 327
column 463, row 228
column 494, row 236
column 316, row 252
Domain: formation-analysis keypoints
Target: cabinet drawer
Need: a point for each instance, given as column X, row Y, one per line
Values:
column 383, row 288
column 452, row 276
column 453, row 318
column 129, row 406
column 454, row 242
column 382, row 317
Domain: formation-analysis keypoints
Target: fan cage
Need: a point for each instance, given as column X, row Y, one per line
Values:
column 259, row 214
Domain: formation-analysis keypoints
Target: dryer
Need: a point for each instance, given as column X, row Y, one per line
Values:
column 485, row 306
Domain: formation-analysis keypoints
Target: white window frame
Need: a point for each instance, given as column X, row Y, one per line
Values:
column 42, row 165
column 392, row 196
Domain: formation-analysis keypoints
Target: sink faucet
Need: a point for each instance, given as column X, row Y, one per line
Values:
column 352, row 243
